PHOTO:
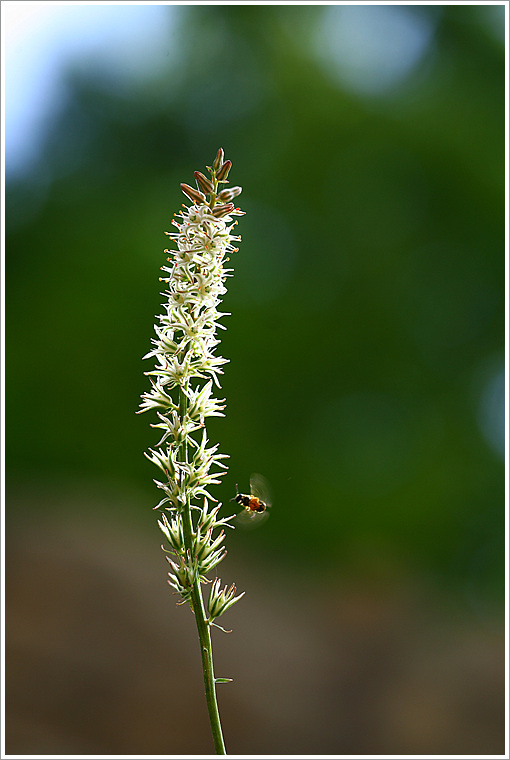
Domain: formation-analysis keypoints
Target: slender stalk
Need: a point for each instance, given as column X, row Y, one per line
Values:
column 204, row 635
column 204, row 632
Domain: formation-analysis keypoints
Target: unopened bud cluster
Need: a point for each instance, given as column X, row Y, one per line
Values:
column 181, row 394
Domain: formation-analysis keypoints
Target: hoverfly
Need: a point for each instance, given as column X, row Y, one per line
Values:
column 256, row 504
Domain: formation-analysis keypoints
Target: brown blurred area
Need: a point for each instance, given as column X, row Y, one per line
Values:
column 100, row 660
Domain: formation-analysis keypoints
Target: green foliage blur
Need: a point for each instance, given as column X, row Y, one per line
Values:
column 366, row 336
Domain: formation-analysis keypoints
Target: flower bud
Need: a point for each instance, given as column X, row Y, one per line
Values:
column 221, row 599
column 222, row 174
column 203, row 182
column 218, row 161
column 222, row 210
column 229, row 193
column 194, row 195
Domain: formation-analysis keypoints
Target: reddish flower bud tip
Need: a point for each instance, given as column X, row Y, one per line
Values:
column 218, row 160
column 194, row 195
column 219, row 211
column 204, row 184
column 222, row 174
column 229, row 193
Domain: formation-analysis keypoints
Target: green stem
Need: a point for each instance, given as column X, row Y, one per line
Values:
column 204, row 631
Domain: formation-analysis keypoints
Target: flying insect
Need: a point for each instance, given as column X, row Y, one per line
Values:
column 256, row 503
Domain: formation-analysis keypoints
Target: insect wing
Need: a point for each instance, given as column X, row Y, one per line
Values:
column 248, row 520
column 260, row 488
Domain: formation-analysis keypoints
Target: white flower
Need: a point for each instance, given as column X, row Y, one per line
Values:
column 221, row 600
column 181, row 393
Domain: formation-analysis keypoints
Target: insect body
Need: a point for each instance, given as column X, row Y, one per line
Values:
column 250, row 502
column 256, row 503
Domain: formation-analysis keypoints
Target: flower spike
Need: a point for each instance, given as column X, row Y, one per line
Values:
column 182, row 383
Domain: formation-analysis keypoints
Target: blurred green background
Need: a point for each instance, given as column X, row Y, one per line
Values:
column 366, row 379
